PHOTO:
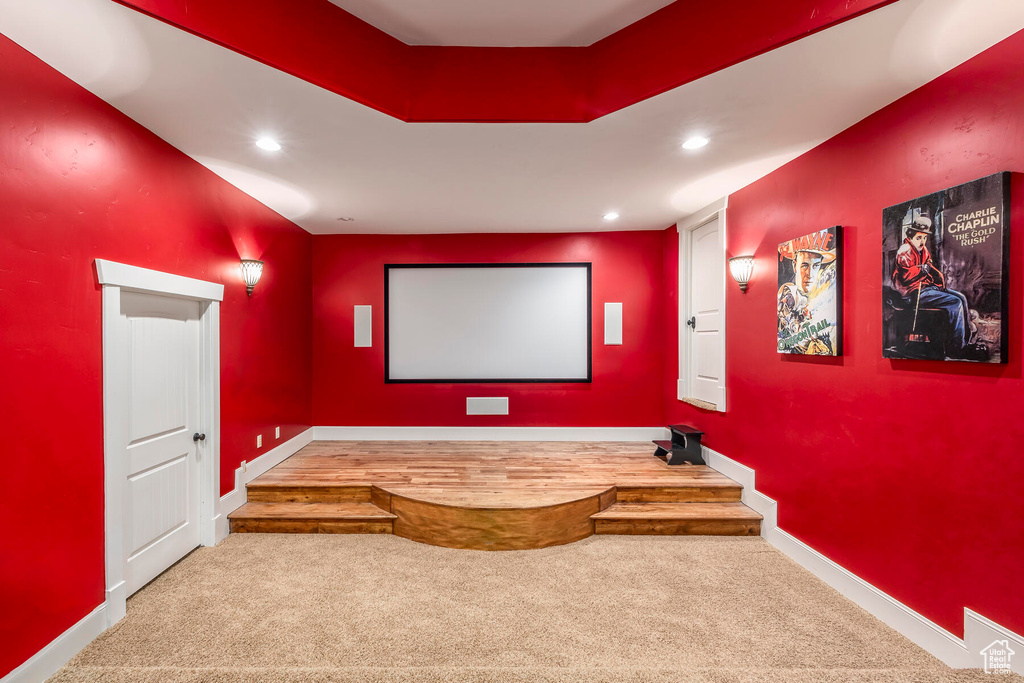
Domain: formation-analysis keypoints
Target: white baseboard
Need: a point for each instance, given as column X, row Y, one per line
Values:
column 926, row 633
column 958, row 653
column 751, row 497
column 980, row 632
column 234, row 498
column 61, row 649
column 490, row 433
column 117, row 603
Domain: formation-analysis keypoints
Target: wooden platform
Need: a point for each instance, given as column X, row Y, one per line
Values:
column 491, row 495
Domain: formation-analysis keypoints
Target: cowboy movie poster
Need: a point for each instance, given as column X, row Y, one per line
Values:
column 809, row 300
column 944, row 274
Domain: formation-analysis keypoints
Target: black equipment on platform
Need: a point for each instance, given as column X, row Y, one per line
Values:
column 684, row 446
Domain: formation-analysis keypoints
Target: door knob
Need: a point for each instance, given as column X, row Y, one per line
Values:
column 199, row 437
column 692, row 322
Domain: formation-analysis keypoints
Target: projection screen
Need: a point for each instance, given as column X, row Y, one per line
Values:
column 473, row 322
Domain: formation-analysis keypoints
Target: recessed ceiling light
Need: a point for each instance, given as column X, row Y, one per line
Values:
column 695, row 142
column 269, row 144
column 610, row 216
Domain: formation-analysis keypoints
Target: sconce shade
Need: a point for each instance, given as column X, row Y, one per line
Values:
column 251, row 272
column 741, row 267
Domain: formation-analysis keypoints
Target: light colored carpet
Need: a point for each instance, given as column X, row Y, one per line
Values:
column 317, row 608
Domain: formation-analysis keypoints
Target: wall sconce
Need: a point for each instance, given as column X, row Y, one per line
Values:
column 251, row 271
column 741, row 267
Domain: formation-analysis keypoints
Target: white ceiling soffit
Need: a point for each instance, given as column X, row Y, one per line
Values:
column 523, row 23
column 341, row 159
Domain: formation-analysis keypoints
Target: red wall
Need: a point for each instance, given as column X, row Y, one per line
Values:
column 907, row 473
column 80, row 181
column 348, row 386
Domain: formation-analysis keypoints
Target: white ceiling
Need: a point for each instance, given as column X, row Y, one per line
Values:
column 500, row 23
column 342, row 159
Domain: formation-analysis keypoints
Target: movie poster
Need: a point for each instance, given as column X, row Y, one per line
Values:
column 809, row 299
column 944, row 274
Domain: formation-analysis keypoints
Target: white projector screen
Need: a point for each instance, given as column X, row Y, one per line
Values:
column 526, row 322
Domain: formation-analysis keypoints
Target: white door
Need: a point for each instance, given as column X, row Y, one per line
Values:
column 161, row 414
column 706, row 293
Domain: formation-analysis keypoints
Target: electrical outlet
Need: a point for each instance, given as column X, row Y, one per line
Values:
column 259, row 441
column 245, row 467
column 277, row 432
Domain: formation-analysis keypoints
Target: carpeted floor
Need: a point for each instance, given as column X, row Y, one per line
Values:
column 317, row 608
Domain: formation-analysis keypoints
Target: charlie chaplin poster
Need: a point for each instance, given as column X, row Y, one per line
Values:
column 944, row 274
column 809, row 298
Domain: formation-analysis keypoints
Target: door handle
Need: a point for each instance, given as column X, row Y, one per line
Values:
column 198, row 437
column 692, row 322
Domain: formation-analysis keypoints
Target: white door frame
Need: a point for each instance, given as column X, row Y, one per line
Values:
column 685, row 228
column 115, row 278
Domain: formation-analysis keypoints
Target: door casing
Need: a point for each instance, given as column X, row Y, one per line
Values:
column 685, row 230
column 116, row 278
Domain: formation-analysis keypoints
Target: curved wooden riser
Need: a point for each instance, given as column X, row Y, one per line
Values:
column 494, row 529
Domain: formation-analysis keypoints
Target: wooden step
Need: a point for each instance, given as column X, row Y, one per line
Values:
column 705, row 519
column 714, row 491
column 264, row 492
column 311, row 518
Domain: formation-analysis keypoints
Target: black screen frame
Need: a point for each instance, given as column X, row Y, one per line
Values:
column 544, row 380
